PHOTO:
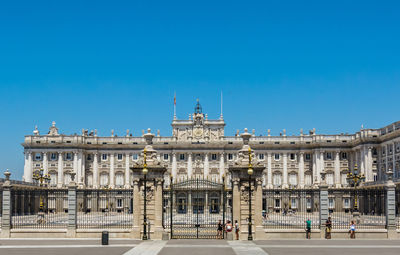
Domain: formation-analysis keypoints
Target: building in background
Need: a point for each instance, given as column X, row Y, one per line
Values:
column 199, row 148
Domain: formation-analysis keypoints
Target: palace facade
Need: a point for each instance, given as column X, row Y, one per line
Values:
column 198, row 147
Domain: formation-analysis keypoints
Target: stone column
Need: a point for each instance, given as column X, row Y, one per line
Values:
column 269, row 170
column 158, row 210
column 83, row 170
column 301, row 169
column 60, row 172
column 370, row 176
column 72, row 212
column 362, row 160
column 390, row 204
column 127, row 171
column 112, row 171
column 395, row 171
column 314, row 167
column 337, row 169
column 221, row 165
column 321, row 165
column 45, row 163
column 258, row 223
column 174, row 165
column 6, row 209
column 137, row 210
column 96, row 170
column 29, row 168
column 76, row 170
column 323, row 206
column 236, row 202
column 285, row 172
column 189, row 165
column 206, row 165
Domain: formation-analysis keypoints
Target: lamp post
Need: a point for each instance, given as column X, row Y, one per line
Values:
column 355, row 179
column 250, row 172
column 144, row 171
column 42, row 179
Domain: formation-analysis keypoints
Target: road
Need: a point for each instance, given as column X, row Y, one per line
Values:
column 194, row 247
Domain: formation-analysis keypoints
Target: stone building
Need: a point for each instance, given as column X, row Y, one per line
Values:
column 198, row 147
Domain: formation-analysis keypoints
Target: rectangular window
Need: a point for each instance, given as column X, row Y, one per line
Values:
column 308, row 156
column 277, row 179
column 213, row 156
column 165, row 156
column 309, row 203
column 53, row 156
column 292, row 156
column 119, row 180
column 344, row 155
column 293, row 179
column 104, row 156
column 329, row 179
column 119, row 203
column 344, row 179
column 68, row 156
column 294, row 203
column 331, row 203
column 329, row 155
column 134, row 156
column 308, row 179
column 276, row 156
column 261, row 156
column 119, row 157
column 346, row 203
column 181, row 156
column 230, row 156
column 277, row 203
column 89, row 157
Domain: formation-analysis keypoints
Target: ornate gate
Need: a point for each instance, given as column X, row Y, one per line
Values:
column 195, row 208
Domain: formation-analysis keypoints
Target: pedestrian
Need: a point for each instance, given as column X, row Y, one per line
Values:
column 328, row 229
column 237, row 230
column 228, row 226
column 352, row 230
column 219, row 230
column 308, row 229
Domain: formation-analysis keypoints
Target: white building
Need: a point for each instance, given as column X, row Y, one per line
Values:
column 198, row 147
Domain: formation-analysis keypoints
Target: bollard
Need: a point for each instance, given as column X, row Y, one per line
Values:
column 104, row 238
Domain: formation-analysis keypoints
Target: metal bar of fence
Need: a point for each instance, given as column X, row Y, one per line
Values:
column 290, row 208
column 371, row 208
column 104, row 209
column 39, row 208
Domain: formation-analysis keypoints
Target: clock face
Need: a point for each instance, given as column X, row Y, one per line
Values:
column 198, row 132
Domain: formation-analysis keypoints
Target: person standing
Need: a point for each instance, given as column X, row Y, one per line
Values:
column 308, row 229
column 352, row 230
column 328, row 229
column 237, row 229
column 219, row 230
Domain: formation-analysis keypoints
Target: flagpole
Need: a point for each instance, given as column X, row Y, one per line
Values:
column 174, row 105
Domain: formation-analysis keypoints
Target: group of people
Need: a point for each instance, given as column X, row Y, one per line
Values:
column 328, row 229
column 221, row 228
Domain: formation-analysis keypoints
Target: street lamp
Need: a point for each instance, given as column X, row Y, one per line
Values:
column 43, row 179
column 144, row 171
column 355, row 179
column 250, row 172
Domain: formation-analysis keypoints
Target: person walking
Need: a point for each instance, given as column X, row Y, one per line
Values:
column 220, row 228
column 228, row 227
column 308, row 229
column 237, row 230
column 352, row 230
column 328, row 229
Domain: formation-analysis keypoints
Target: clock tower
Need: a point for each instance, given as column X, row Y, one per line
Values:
column 198, row 128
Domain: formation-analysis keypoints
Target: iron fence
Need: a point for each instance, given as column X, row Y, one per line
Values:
column 39, row 208
column 290, row 208
column 105, row 209
column 369, row 213
column 397, row 203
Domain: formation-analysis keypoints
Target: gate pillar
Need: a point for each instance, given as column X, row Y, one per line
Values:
column 148, row 173
column 247, row 178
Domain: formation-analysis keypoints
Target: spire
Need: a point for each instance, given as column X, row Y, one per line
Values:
column 221, row 116
column 198, row 109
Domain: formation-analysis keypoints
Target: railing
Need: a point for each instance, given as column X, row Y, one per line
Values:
column 371, row 208
column 39, row 208
column 105, row 209
column 291, row 208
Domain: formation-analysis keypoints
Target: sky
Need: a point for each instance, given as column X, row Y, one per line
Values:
column 329, row 65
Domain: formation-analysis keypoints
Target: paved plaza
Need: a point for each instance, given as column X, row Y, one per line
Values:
column 194, row 247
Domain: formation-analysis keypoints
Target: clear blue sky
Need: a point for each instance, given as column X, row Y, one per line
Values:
column 332, row 65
